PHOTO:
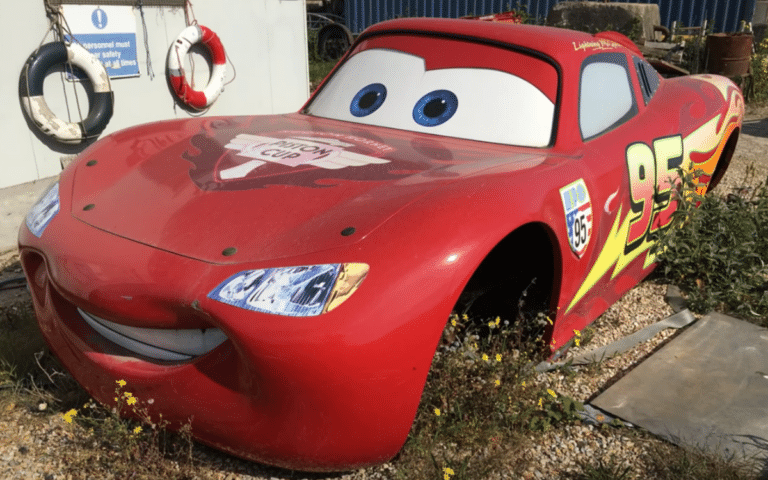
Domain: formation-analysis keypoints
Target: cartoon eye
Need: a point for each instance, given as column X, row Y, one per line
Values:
column 435, row 108
column 368, row 100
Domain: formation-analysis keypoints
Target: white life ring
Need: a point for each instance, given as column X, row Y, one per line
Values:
column 188, row 37
column 101, row 100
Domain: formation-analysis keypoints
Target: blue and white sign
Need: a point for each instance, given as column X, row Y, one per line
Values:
column 109, row 33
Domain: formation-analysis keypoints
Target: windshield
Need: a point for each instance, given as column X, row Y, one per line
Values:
column 444, row 87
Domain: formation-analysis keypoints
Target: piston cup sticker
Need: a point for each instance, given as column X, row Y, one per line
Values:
column 292, row 152
column 299, row 158
column 578, row 215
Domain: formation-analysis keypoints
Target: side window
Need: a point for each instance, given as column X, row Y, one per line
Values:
column 605, row 94
column 648, row 77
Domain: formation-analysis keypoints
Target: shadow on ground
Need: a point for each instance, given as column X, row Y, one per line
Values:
column 756, row 128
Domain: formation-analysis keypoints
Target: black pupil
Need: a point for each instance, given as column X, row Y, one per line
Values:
column 434, row 108
column 367, row 100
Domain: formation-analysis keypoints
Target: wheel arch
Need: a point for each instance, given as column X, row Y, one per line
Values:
column 530, row 251
column 725, row 158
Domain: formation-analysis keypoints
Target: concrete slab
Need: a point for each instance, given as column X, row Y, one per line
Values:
column 14, row 203
column 707, row 388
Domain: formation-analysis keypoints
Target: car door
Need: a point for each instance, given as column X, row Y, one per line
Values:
column 630, row 159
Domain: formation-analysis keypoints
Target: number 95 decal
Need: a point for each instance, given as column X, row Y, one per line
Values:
column 578, row 215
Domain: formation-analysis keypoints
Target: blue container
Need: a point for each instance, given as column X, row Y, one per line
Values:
column 721, row 15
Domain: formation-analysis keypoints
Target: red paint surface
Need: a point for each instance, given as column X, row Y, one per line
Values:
column 339, row 390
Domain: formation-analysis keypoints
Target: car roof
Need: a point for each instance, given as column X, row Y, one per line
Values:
column 566, row 47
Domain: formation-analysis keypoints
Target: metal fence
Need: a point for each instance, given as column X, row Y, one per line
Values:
column 722, row 15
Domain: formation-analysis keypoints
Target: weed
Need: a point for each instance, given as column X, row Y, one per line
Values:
column 610, row 469
column 667, row 462
column 481, row 401
column 133, row 445
column 715, row 253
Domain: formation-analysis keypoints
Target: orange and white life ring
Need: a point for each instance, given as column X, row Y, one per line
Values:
column 188, row 37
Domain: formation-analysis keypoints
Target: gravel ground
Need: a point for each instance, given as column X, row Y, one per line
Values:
column 31, row 441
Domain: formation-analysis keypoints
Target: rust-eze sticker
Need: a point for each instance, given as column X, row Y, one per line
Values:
column 578, row 215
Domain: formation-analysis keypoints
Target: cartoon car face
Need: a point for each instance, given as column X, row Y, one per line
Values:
column 441, row 101
column 285, row 280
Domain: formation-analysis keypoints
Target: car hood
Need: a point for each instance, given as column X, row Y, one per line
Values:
column 245, row 189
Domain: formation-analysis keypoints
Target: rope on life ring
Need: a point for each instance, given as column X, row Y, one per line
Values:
column 101, row 100
column 188, row 37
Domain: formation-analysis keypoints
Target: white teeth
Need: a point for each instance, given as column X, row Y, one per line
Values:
column 157, row 343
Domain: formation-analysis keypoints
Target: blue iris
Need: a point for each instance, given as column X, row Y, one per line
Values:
column 368, row 100
column 435, row 108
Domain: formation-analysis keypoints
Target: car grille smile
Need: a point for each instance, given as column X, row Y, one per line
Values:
column 159, row 344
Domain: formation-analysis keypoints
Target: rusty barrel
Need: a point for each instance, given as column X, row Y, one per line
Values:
column 729, row 54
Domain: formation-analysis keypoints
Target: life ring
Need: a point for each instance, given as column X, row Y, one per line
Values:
column 101, row 100
column 188, row 37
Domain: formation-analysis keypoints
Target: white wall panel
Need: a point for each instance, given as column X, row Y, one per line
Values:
column 264, row 39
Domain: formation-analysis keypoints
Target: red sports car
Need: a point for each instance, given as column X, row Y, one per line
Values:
column 284, row 280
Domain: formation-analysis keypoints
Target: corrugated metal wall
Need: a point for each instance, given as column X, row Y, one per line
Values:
column 726, row 14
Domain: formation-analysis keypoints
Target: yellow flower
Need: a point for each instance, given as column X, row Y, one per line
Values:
column 541, row 402
column 550, row 321
column 491, row 324
column 552, row 392
column 447, row 472
column 498, row 321
column 128, row 394
column 464, row 317
column 498, row 357
column 437, row 412
column 69, row 415
column 120, row 382
column 497, row 382
column 523, row 384
column 577, row 333
column 131, row 400
column 577, row 342
column 453, row 322
column 137, row 430
column 485, row 357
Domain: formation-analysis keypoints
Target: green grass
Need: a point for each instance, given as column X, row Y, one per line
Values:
column 318, row 70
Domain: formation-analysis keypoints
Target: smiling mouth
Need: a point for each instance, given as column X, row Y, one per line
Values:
column 173, row 345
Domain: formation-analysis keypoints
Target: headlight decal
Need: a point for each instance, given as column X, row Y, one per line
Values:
column 304, row 291
column 350, row 277
column 43, row 211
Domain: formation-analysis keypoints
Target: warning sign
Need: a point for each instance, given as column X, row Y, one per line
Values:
column 109, row 33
